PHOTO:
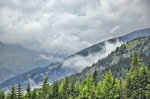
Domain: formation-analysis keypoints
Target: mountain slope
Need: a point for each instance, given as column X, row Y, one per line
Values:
column 119, row 61
column 54, row 70
column 125, row 38
column 15, row 59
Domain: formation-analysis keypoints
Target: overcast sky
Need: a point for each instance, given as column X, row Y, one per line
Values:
column 66, row 26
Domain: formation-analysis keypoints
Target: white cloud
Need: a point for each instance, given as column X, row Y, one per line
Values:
column 80, row 62
column 67, row 26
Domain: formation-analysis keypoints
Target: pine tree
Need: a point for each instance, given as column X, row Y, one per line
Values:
column 55, row 89
column 45, row 88
column 19, row 91
column 88, row 88
column 99, row 90
column 72, row 88
column 136, row 63
column 128, row 86
column 147, row 92
column 148, row 66
column 77, row 89
column 2, row 94
column 143, row 82
column 95, row 77
column 65, row 88
column 34, row 94
column 107, row 89
column 28, row 90
column 13, row 94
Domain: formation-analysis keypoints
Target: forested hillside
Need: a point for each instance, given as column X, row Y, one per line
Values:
column 136, row 85
column 118, row 62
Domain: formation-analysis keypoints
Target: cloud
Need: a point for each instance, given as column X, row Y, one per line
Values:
column 80, row 62
column 62, row 27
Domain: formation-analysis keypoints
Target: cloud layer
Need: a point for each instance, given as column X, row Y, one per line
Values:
column 62, row 27
column 80, row 62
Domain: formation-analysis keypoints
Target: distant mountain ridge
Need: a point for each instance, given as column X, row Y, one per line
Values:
column 15, row 59
column 54, row 70
column 125, row 38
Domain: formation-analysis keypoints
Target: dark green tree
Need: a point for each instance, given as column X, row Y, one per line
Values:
column 13, row 93
column 136, row 63
column 19, row 91
column 2, row 94
column 72, row 88
column 95, row 78
column 45, row 88
column 148, row 66
column 64, row 88
column 55, row 90
column 28, row 90
column 34, row 94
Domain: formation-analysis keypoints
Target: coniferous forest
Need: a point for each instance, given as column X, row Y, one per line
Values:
column 136, row 85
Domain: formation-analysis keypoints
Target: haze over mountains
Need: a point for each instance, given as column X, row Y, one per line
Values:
column 15, row 59
column 75, row 62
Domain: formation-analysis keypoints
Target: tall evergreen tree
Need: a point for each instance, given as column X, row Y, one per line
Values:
column 55, row 90
column 64, row 88
column 128, row 86
column 45, row 88
column 77, row 89
column 148, row 66
column 95, row 77
column 136, row 63
column 88, row 88
column 143, row 82
column 13, row 93
column 28, row 90
column 19, row 91
column 72, row 88
column 99, row 90
column 108, row 86
column 2, row 94
column 34, row 94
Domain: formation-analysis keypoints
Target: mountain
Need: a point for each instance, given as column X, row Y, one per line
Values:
column 125, row 38
column 100, row 50
column 119, row 61
column 15, row 59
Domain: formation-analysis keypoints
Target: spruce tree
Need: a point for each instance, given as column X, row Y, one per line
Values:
column 143, row 82
column 19, row 91
column 65, row 88
column 34, row 94
column 13, row 93
column 77, row 89
column 72, row 88
column 148, row 66
column 136, row 63
column 95, row 77
column 128, row 86
column 88, row 88
column 55, row 90
column 45, row 88
column 107, row 89
column 28, row 90
column 2, row 94
column 99, row 90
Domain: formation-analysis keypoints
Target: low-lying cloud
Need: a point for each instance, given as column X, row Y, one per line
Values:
column 62, row 27
column 79, row 62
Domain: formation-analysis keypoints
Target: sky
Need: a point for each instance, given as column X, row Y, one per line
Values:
column 63, row 27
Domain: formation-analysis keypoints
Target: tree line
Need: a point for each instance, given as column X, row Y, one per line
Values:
column 136, row 85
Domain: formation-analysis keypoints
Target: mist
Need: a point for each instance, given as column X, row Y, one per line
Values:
column 79, row 62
